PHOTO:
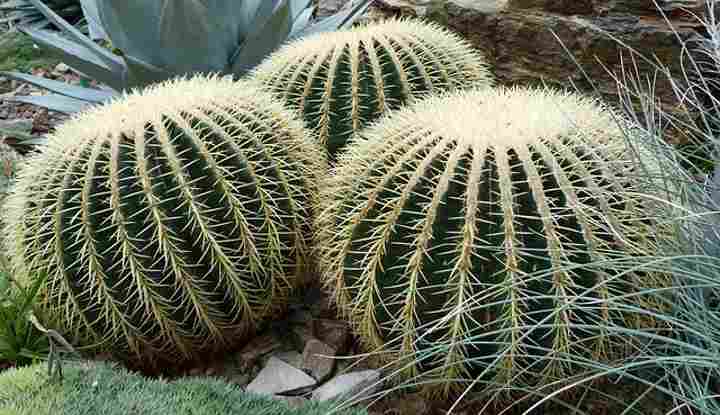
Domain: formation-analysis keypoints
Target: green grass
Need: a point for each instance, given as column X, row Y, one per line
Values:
column 98, row 388
column 21, row 343
column 17, row 53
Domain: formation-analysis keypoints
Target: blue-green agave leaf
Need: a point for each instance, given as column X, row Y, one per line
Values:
column 77, row 56
column 141, row 73
column 264, row 41
column 298, row 7
column 54, row 102
column 178, row 36
column 95, row 29
column 62, row 88
column 110, row 60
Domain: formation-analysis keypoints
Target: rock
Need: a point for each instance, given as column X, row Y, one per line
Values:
column 417, row 8
column 355, row 386
column 61, row 68
column 334, row 333
column 318, row 359
column 256, row 349
column 292, row 358
column 278, row 377
column 326, row 8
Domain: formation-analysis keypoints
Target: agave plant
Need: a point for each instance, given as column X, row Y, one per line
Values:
column 159, row 40
column 24, row 12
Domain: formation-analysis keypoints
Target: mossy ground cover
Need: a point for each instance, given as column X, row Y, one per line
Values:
column 100, row 388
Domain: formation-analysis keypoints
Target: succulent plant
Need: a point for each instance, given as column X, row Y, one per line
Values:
column 343, row 80
column 158, row 40
column 24, row 12
column 169, row 222
column 479, row 235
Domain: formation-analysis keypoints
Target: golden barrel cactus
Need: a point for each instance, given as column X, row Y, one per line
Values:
column 169, row 222
column 341, row 81
column 473, row 235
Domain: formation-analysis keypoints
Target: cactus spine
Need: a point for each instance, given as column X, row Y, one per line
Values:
column 453, row 226
column 343, row 80
column 171, row 221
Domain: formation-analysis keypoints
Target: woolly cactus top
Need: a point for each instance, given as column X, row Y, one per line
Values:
column 132, row 111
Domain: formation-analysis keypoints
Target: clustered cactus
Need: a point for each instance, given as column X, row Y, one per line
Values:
column 170, row 222
column 341, row 81
column 466, row 234
column 470, row 234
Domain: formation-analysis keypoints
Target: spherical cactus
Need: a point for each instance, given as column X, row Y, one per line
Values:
column 170, row 222
column 341, row 81
column 464, row 237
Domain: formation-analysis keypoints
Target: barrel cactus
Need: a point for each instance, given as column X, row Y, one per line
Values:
column 170, row 222
column 464, row 237
column 341, row 81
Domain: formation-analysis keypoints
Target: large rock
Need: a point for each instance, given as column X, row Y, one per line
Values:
column 547, row 47
column 278, row 377
column 356, row 386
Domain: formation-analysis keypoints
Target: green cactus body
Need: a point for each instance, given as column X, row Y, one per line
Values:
column 170, row 222
column 343, row 80
column 454, row 225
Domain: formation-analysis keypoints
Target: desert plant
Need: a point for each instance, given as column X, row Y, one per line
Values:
column 91, row 387
column 343, row 80
column 471, row 237
column 158, row 40
column 169, row 222
column 24, row 12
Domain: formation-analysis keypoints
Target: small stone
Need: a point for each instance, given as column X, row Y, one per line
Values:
column 356, row 386
column 334, row 333
column 292, row 358
column 61, row 67
column 278, row 377
column 257, row 348
column 318, row 359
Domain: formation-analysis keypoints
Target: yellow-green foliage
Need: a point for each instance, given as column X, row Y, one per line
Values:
column 341, row 81
column 99, row 388
column 171, row 221
column 453, row 227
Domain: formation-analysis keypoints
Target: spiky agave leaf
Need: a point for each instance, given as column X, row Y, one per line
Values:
column 24, row 13
column 341, row 81
column 170, row 222
column 465, row 236
column 159, row 40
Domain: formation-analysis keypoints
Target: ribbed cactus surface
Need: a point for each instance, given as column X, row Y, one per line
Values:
column 465, row 235
column 169, row 222
column 341, row 81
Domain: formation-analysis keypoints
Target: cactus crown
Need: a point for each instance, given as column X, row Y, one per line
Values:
column 171, row 221
column 342, row 80
column 454, row 226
